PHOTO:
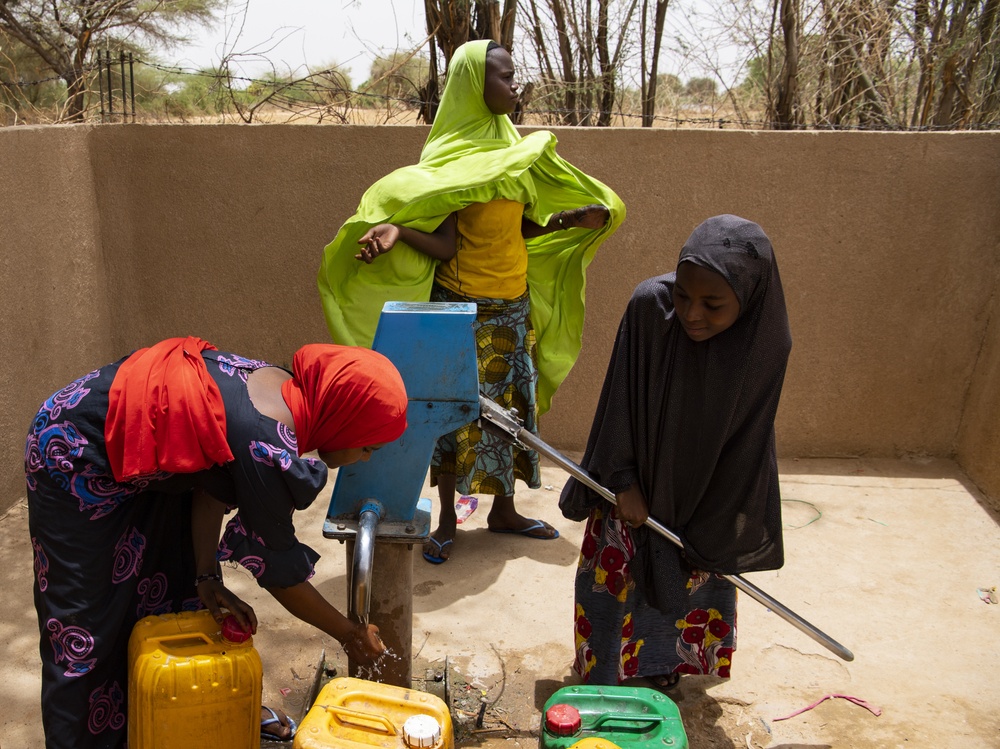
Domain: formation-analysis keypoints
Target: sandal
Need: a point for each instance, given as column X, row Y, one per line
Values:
column 266, row 735
column 441, row 545
column 665, row 681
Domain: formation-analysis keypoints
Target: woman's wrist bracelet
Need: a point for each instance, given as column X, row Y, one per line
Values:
column 210, row 576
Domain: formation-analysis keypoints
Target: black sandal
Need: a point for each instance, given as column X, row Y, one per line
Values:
column 665, row 681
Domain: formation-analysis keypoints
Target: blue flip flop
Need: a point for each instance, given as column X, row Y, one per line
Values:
column 536, row 524
column 440, row 545
column 266, row 736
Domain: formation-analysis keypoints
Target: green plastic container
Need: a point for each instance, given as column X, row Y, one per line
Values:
column 627, row 716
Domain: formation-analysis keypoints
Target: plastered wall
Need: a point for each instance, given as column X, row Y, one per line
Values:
column 116, row 236
column 978, row 449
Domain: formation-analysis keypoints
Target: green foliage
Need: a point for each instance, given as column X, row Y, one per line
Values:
column 26, row 86
column 701, row 90
column 399, row 76
column 65, row 34
column 178, row 96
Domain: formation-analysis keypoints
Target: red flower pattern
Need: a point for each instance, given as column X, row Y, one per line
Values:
column 612, row 559
column 693, row 635
column 615, row 582
column 719, row 628
column 696, row 616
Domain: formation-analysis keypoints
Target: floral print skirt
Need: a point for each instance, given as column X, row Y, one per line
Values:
column 619, row 636
column 485, row 462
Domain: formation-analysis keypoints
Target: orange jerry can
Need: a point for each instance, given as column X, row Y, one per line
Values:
column 192, row 684
column 354, row 713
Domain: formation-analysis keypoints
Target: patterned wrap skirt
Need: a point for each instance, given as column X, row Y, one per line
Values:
column 484, row 462
column 619, row 636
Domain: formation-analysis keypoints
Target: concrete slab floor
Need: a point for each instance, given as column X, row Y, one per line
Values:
column 884, row 556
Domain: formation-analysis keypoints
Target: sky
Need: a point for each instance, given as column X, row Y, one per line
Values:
column 293, row 34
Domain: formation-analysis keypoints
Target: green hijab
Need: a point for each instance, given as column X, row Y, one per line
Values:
column 472, row 156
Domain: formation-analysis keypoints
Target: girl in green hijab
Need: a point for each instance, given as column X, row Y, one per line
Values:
column 488, row 217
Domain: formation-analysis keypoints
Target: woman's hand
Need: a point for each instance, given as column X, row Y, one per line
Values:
column 363, row 645
column 217, row 597
column 632, row 506
column 377, row 241
column 588, row 217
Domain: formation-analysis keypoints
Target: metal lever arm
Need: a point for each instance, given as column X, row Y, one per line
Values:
column 507, row 422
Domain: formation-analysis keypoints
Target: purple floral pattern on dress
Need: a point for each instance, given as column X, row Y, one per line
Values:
column 99, row 494
column 253, row 564
column 128, row 555
column 270, row 455
column 236, row 526
column 71, row 645
column 287, row 436
column 240, row 366
column 106, row 709
column 57, row 446
column 68, row 397
column 153, row 591
column 41, row 564
column 223, row 553
column 191, row 604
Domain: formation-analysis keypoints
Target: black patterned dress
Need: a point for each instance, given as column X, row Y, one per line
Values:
column 107, row 554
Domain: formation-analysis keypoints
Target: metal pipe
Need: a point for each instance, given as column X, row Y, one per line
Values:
column 507, row 422
column 364, row 555
column 391, row 608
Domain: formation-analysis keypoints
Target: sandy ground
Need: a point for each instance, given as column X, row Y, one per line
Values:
column 884, row 556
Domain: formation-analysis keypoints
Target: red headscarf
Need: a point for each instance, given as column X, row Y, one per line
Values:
column 165, row 412
column 343, row 397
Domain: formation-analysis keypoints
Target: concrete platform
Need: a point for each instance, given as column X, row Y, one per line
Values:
column 884, row 556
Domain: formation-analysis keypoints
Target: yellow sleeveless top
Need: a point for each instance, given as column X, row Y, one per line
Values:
column 492, row 259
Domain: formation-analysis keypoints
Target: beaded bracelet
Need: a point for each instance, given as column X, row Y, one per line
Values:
column 210, row 576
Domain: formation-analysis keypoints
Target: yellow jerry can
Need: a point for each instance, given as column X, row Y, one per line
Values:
column 191, row 687
column 594, row 743
column 354, row 713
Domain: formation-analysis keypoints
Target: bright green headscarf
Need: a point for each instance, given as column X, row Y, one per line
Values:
column 472, row 156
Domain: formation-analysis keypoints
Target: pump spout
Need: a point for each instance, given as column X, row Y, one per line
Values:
column 361, row 568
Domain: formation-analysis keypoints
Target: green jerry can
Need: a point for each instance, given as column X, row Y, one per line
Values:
column 629, row 717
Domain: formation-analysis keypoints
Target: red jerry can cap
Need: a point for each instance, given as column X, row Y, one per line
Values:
column 562, row 720
column 232, row 631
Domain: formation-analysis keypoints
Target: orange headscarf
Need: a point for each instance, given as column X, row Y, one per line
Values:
column 343, row 397
column 165, row 412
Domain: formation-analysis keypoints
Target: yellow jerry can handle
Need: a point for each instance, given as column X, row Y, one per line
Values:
column 362, row 719
column 179, row 642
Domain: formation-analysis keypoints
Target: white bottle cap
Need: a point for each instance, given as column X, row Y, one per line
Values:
column 421, row 731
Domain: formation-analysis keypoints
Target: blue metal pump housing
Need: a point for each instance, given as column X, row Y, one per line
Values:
column 433, row 346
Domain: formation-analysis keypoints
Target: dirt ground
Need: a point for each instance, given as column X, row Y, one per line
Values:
column 886, row 557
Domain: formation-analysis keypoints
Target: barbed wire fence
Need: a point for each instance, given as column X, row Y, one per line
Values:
column 148, row 91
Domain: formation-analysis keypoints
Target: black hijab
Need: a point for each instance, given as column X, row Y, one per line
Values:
column 693, row 422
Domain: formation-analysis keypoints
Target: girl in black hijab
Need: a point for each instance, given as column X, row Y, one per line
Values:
column 684, row 432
